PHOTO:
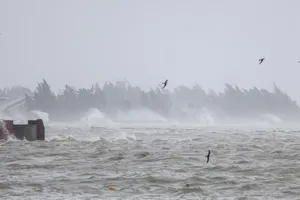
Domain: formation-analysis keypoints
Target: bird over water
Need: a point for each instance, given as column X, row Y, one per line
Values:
column 207, row 157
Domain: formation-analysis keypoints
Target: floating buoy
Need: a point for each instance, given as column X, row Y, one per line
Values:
column 112, row 188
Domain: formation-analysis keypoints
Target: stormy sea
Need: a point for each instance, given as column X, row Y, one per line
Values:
column 119, row 142
column 153, row 160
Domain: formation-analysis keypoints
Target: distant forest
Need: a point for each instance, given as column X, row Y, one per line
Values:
column 121, row 96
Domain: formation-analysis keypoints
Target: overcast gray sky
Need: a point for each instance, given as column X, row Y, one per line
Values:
column 210, row 42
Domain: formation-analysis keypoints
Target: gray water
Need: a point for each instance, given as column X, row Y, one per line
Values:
column 153, row 163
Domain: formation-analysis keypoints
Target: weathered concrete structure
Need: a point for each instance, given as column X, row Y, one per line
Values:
column 32, row 131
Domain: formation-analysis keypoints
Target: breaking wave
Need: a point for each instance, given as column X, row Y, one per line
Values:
column 139, row 115
column 271, row 118
column 93, row 117
column 36, row 114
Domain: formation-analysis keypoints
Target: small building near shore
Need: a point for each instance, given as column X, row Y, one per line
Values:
column 34, row 130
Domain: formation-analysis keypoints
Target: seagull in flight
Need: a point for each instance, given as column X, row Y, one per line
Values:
column 261, row 60
column 207, row 157
column 165, row 84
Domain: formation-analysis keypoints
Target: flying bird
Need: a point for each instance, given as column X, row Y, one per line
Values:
column 207, row 157
column 165, row 84
column 261, row 60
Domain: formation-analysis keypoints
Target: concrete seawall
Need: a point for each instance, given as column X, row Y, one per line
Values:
column 32, row 131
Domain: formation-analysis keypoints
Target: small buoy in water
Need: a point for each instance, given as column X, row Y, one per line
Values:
column 112, row 188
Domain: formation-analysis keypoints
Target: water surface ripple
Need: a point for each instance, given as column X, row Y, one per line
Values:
column 153, row 164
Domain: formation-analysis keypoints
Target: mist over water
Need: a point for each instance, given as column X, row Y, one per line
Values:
column 122, row 104
column 146, row 141
column 147, row 154
column 152, row 144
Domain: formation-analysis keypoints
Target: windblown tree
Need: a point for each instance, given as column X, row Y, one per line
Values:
column 67, row 101
column 15, row 92
column 44, row 98
column 99, row 97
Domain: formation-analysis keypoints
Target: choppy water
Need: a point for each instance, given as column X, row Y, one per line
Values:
column 149, row 163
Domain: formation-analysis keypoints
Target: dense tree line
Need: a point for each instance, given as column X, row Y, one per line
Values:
column 110, row 98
